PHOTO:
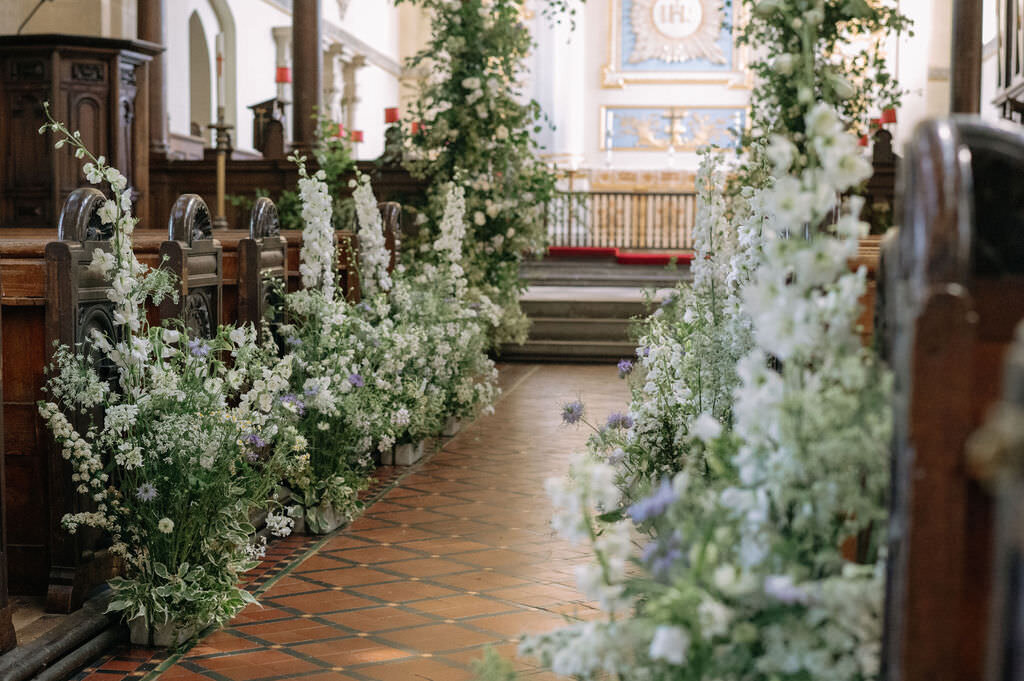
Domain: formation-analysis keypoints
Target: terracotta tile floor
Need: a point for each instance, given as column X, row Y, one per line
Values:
column 455, row 557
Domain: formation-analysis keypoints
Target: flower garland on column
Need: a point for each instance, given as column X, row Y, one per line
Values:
column 475, row 127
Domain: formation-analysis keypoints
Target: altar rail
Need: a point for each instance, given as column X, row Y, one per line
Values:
column 632, row 220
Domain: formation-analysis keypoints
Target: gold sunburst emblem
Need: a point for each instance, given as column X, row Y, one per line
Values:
column 676, row 31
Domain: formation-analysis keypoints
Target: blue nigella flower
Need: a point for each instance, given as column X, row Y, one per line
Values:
column 364, row 307
column 198, row 347
column 293, row 341
column 625, row 368
column 146, row 492
column 311, row 392
column 619, row 420
column 572, row 412
column 356, row 380
column 645, row 351
column 654, row 505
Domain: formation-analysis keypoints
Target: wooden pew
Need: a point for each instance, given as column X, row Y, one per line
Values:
column 996, row 456
column 196, row 259
column 952, row 291
column 8, row 639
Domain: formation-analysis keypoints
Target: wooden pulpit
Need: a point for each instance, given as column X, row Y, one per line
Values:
column 94, row 85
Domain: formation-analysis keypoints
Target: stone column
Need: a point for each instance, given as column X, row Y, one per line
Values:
column 151, row 28
column 334, row 82
column 965, row 74
column 351, row 96
column 306, row 78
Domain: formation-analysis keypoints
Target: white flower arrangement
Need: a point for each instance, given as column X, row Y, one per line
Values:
column 745, row 577
column 171, row 452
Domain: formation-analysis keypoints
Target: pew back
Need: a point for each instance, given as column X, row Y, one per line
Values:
column 952, row 293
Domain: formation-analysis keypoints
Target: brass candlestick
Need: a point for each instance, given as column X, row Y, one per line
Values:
column 223, row 148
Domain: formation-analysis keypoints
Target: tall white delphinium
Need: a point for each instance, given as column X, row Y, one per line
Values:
column 448, row 246
column 319, row 246
column 373, row 253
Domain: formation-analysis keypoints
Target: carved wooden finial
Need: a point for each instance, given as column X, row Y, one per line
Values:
column 190, row 220
column 79, row 218
column 263, row 221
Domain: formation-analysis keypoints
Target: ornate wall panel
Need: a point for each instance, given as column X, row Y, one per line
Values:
column 673, row 41
column 637, row 128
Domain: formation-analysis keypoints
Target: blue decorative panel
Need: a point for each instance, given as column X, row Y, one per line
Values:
column 658, row 128
column 676, row 35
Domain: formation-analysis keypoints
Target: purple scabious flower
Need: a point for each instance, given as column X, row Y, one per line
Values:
column 293, row 341
column 625, row 368
column 619, row 420
column 364, row 307
column 254, row 440
column 294, row 402
column 356, row 380
column 311, row 392
column 572, row 413
column 653, row 505
column 146, row 492
column 645, row 351
column 198, row 347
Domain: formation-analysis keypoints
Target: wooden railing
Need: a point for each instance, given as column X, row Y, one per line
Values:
column 640, row 221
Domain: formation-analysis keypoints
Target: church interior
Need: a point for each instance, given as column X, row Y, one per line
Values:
column 498, row 340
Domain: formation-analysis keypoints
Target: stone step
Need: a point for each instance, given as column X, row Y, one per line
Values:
column 579, row 329
column 569, row 351
column 588, row 272
column 586, row 309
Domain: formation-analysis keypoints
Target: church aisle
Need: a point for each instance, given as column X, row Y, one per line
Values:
column 459, row 555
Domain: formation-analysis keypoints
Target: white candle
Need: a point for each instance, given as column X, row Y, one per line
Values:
column 220, row 70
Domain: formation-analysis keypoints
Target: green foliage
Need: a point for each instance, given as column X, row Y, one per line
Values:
column 477, row 131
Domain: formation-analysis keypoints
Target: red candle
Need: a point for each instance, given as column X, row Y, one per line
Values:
column 416, row 127
column 863, row 140
column 341, row 130
column 391, row 114
column 284, row 74
column 889, row 115
column 357, row 135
